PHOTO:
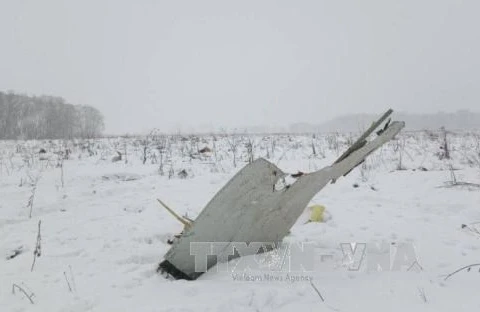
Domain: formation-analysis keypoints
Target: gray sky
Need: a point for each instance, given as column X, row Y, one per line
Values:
column 182, row 64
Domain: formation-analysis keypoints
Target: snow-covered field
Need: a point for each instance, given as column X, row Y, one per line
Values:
column 103, row 232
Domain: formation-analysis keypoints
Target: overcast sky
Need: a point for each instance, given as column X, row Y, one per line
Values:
column 181, row 64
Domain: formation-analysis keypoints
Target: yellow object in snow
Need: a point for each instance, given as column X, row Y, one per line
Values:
column 317, row 213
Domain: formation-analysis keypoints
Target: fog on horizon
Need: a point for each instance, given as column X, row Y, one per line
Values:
column 189, row 64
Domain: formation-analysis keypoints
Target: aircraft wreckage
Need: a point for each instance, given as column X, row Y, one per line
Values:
column 252, row 207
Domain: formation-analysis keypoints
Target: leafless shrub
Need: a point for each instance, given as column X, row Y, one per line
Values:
column 333, row 142
column 162, row 146
column 472, row 228
column 32, row 195
column 68, row 283
column 250, row 146
column 214, row 144
column 195, row 144
column 364, row 172
column 145, row 146
column 452, row 176
column 475, row 158
column 445, row 154
column 38, row 246
column 468, row 268
column 3, row 165
column 233, row 142
column 125, row 151
column 400, row 149
column 314, row 151
column 273, row 145
column 73, row 278
column 60, row 161
column 454, row 182
column 29, row 296
column 317, row 149
column 171, row 172
column 317, row 291
column 62, row 176
column 422, row 294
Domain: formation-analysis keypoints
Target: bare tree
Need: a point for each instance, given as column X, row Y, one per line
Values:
column 32, row 117
column 250, row 145
column 446, row 151
column 161, row 142
column 233, row 142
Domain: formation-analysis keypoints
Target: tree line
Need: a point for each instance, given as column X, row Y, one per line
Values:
column 46, row 117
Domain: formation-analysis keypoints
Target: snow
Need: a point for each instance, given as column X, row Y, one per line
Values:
column 103, row 233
